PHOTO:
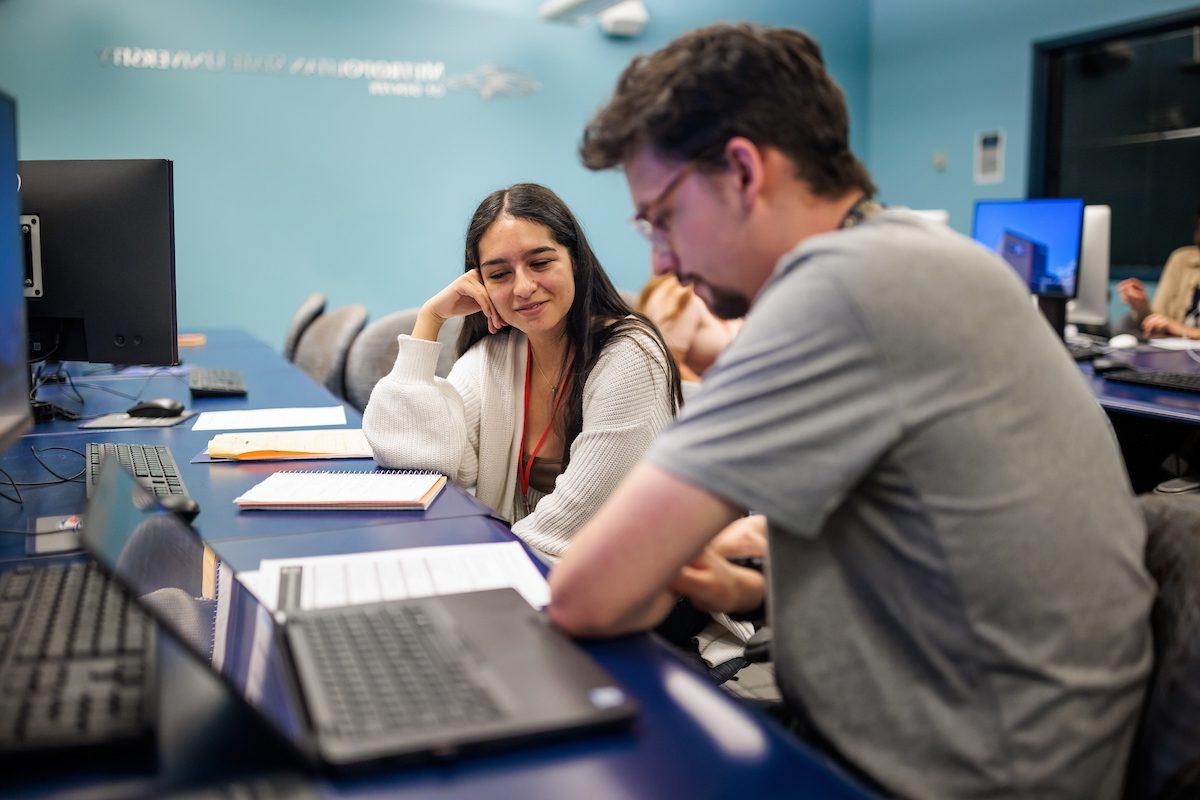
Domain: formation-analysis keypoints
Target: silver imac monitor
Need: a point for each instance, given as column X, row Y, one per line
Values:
column 14, row 362
column 939, row 215
column 1090, row 307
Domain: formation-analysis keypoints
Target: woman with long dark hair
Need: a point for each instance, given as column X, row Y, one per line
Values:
column 559, row 389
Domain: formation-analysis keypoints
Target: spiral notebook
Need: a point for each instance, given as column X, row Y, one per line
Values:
column 308, row 490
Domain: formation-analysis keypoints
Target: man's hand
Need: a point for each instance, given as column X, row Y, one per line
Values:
column 746, row 536
column 713, row 584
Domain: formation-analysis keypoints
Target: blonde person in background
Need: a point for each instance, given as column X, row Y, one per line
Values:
column 1176, row 307
column 694, row 335
column 560, row 388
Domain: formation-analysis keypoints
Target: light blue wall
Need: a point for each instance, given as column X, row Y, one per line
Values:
column 286, row 184
column 941, row 71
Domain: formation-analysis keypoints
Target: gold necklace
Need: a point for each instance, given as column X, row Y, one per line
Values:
column 553, row 386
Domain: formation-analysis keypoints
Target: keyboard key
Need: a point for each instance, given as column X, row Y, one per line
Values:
column 50, row 698
column 154, row 465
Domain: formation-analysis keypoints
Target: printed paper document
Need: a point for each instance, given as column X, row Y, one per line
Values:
column 270, row 418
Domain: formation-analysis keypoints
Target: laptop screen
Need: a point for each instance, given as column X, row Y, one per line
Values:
column 188, row 591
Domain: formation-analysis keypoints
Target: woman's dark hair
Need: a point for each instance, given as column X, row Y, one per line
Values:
column 598, row 314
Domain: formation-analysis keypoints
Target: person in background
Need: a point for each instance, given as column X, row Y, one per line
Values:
column 1176, row 307
column 958, row 597
column 560, row 387
column 694, row 334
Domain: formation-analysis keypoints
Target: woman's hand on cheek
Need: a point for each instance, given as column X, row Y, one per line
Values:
column 464, row 296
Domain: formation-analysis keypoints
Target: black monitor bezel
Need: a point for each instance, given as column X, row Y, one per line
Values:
column 1078, row 241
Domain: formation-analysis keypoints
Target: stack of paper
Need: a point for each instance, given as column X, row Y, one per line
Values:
column 276, row 445
column 270, row 418
column 339, row 580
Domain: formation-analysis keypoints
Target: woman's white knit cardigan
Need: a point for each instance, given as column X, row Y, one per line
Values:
column 468, row 426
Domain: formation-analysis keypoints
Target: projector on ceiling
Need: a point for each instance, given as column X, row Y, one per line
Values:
column 623, row 18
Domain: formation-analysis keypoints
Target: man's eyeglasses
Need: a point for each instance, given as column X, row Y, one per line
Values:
column 650, row 224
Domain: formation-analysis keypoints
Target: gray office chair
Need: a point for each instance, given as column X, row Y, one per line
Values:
column 324, row 345
column 374, row 352
column 312, row 307
column 1165, row 762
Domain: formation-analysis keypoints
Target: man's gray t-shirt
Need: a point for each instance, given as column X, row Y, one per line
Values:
column 958, row 595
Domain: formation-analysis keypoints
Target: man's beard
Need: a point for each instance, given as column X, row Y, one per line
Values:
column 724, row 303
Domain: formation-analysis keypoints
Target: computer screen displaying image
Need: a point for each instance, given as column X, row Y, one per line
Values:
column 14, row 366
column 1038, row 238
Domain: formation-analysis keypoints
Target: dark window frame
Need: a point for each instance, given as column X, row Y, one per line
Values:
column 1045, row 122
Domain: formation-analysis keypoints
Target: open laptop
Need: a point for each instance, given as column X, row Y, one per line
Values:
column 349, row 686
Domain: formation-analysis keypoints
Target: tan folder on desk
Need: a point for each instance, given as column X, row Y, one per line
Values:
column 281, row 445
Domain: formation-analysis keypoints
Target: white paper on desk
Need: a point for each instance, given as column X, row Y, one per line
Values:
column 353, row 578
column 1176, row 343
column 270, row 418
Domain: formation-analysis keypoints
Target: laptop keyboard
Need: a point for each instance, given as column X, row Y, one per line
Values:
column 214, row 382
column 389, row 667
column 154, row 466
column 75, row 660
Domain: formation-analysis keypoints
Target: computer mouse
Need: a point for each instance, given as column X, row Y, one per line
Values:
column 158, row 407
column 1123, row 341
column 179, row 504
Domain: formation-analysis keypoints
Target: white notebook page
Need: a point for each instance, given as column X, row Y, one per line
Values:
column 333, row 488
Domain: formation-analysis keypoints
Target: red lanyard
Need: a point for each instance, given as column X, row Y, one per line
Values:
column 525, row 467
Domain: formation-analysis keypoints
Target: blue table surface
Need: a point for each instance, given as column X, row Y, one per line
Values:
column 690, row 739
column 1148, row 401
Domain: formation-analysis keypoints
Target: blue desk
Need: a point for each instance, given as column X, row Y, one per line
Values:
column 691, row 739
column 1148, row 401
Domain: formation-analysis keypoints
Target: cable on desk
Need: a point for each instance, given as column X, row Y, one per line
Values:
column 62, row 478
column 154, row 375
column 108, row 389
column 18, row 499
column 62, row 373
column 59, row 479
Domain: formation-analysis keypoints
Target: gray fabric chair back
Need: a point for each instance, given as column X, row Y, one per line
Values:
column 312, row 307
column 324, row 344
column 374, row 352
column 1165, row 762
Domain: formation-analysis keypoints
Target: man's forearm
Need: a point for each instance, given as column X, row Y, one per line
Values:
column 614, row 577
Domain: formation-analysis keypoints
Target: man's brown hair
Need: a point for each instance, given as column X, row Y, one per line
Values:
column 704, row 88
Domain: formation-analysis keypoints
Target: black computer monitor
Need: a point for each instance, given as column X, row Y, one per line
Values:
column 100, row 241
column 1038, row 238
column 14, row 368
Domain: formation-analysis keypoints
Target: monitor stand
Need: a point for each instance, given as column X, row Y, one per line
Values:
column 1054, row 309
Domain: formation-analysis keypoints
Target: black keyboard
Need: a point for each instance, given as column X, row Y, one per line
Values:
column 386, row 667
column 211, row 382
column 1186, row 381
column 76, row 661
column 153, row 465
